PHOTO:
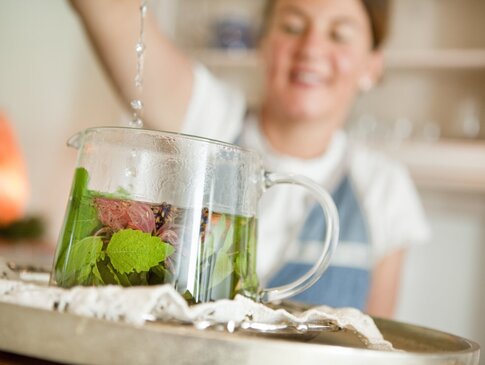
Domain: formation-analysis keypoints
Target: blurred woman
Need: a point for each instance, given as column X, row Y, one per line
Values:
column 318, row 55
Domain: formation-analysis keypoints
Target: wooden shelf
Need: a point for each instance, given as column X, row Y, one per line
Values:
column 436, row 59
column 395, row 59
column 448, row 164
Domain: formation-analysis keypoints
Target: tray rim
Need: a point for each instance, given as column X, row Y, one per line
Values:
column 9, row 311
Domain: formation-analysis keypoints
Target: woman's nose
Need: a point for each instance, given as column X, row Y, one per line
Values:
column 313, row 45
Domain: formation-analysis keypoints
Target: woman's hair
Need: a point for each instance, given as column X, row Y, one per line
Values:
column 377, row 10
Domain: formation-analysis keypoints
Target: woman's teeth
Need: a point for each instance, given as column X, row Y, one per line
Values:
column 308, row 78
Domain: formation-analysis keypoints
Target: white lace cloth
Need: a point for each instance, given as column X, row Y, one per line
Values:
column 137, row 304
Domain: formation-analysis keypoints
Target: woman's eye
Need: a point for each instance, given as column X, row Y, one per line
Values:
column 343, row 34
column 292, row 28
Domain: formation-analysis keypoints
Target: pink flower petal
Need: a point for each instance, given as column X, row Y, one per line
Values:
column 141, row 217
column 169, row 236
column 112, row 213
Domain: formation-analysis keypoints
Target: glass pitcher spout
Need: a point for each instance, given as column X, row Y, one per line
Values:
column 75, row 140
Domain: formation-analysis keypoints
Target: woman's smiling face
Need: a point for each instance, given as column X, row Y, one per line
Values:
column 316, row 53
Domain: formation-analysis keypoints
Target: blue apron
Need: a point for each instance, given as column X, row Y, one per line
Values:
column 347, row 280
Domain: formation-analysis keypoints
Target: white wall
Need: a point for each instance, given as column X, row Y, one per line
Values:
column 50, row 87
column 444, row 282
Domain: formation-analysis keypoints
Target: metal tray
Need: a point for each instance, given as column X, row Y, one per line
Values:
column 72, row 339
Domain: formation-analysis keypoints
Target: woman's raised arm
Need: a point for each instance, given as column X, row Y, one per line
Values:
column 113, row 26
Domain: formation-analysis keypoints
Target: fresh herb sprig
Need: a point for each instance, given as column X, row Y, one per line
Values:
column 124, row 256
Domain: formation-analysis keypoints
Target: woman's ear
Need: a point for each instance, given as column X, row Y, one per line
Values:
column 373, row 72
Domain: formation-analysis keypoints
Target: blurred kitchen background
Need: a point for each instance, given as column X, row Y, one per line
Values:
column 429, row 112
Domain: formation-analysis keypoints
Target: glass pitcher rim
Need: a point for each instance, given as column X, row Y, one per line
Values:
column 169, row 133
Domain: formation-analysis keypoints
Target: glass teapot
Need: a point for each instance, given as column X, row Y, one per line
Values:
column 149, row 207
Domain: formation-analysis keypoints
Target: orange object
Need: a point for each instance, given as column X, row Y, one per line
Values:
column 13, row 176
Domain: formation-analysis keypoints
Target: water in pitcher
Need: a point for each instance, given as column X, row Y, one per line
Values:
column 112, row 239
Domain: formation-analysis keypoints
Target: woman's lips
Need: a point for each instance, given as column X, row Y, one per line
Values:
column 308, row 78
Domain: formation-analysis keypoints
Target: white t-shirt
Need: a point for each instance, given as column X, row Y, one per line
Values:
column 388, row 198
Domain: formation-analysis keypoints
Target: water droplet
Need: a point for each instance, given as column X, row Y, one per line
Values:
column 144, row 9
column 136, row 123
column 130, row 171
column 139, row 48
column 133, row 153
column 138, row 81
column 137, row 104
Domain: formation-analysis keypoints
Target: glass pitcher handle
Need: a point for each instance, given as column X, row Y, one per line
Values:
column 329, row 244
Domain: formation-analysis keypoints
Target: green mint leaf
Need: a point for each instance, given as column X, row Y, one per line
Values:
column 159, row 275
column 123, row 193
column 119, row 277
column 120, row 193
column 138, row 278
column 105, row 275
column 98, row 280
column 241, row 266
column 135, row 251
column 87, row 218
column 229, row 240
column 223, row 268
column 79, row 186
column 106, row 272
column 189, row 297
column 224, row 265
column 81, row 216
column 102, row 256
column 83, row 257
